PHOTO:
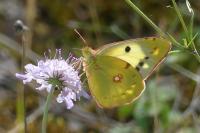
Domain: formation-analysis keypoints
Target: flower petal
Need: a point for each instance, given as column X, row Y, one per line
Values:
column 21, row 76
column 69, row 103
column 60, row 98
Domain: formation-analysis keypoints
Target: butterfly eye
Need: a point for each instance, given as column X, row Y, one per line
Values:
column 127, row 49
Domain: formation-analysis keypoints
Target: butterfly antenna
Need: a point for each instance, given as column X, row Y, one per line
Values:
column 81, row 37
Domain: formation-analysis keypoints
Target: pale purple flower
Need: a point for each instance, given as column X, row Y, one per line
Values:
column 58, row 73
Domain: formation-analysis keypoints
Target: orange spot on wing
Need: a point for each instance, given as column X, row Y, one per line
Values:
column 118, row 78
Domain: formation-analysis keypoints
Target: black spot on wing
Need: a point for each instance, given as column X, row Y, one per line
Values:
column 146, row 58
column 127, row 49
column 137, row 68
column 141, row 63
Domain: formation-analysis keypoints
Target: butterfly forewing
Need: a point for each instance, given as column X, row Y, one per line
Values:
column 143, row 54
column 112, row 81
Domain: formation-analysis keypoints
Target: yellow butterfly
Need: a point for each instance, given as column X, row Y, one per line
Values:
column 116, row 71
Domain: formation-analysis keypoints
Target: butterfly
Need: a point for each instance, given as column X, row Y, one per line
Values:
column 117, row 72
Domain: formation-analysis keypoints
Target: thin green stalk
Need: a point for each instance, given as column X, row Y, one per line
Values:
column 191, row 25
column 191, row 35
column 192, row 39
column 46, row 109
column 21, row 115
column 146, row 18
column 180, row 18
column 196, row 52
column 191, row 21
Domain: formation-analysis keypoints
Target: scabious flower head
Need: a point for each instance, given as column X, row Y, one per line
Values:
column 57, row 73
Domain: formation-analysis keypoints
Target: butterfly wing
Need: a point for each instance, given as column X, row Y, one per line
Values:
column 143, row 54
column 112, row 81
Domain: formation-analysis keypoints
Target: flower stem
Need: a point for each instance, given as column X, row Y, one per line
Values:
column 21, row 111
column 46, row 109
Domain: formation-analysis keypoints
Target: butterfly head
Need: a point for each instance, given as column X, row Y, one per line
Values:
column 88, row 52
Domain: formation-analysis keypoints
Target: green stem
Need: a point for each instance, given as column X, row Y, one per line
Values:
column 21, row 93
column 146, row 18
column 180, row 18
column 46, row 109
column 197, row 55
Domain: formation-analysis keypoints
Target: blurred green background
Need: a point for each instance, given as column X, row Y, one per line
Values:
column 171, row 102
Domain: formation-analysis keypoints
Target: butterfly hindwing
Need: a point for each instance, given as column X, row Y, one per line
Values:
column 112, row 81
column 143, row 54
